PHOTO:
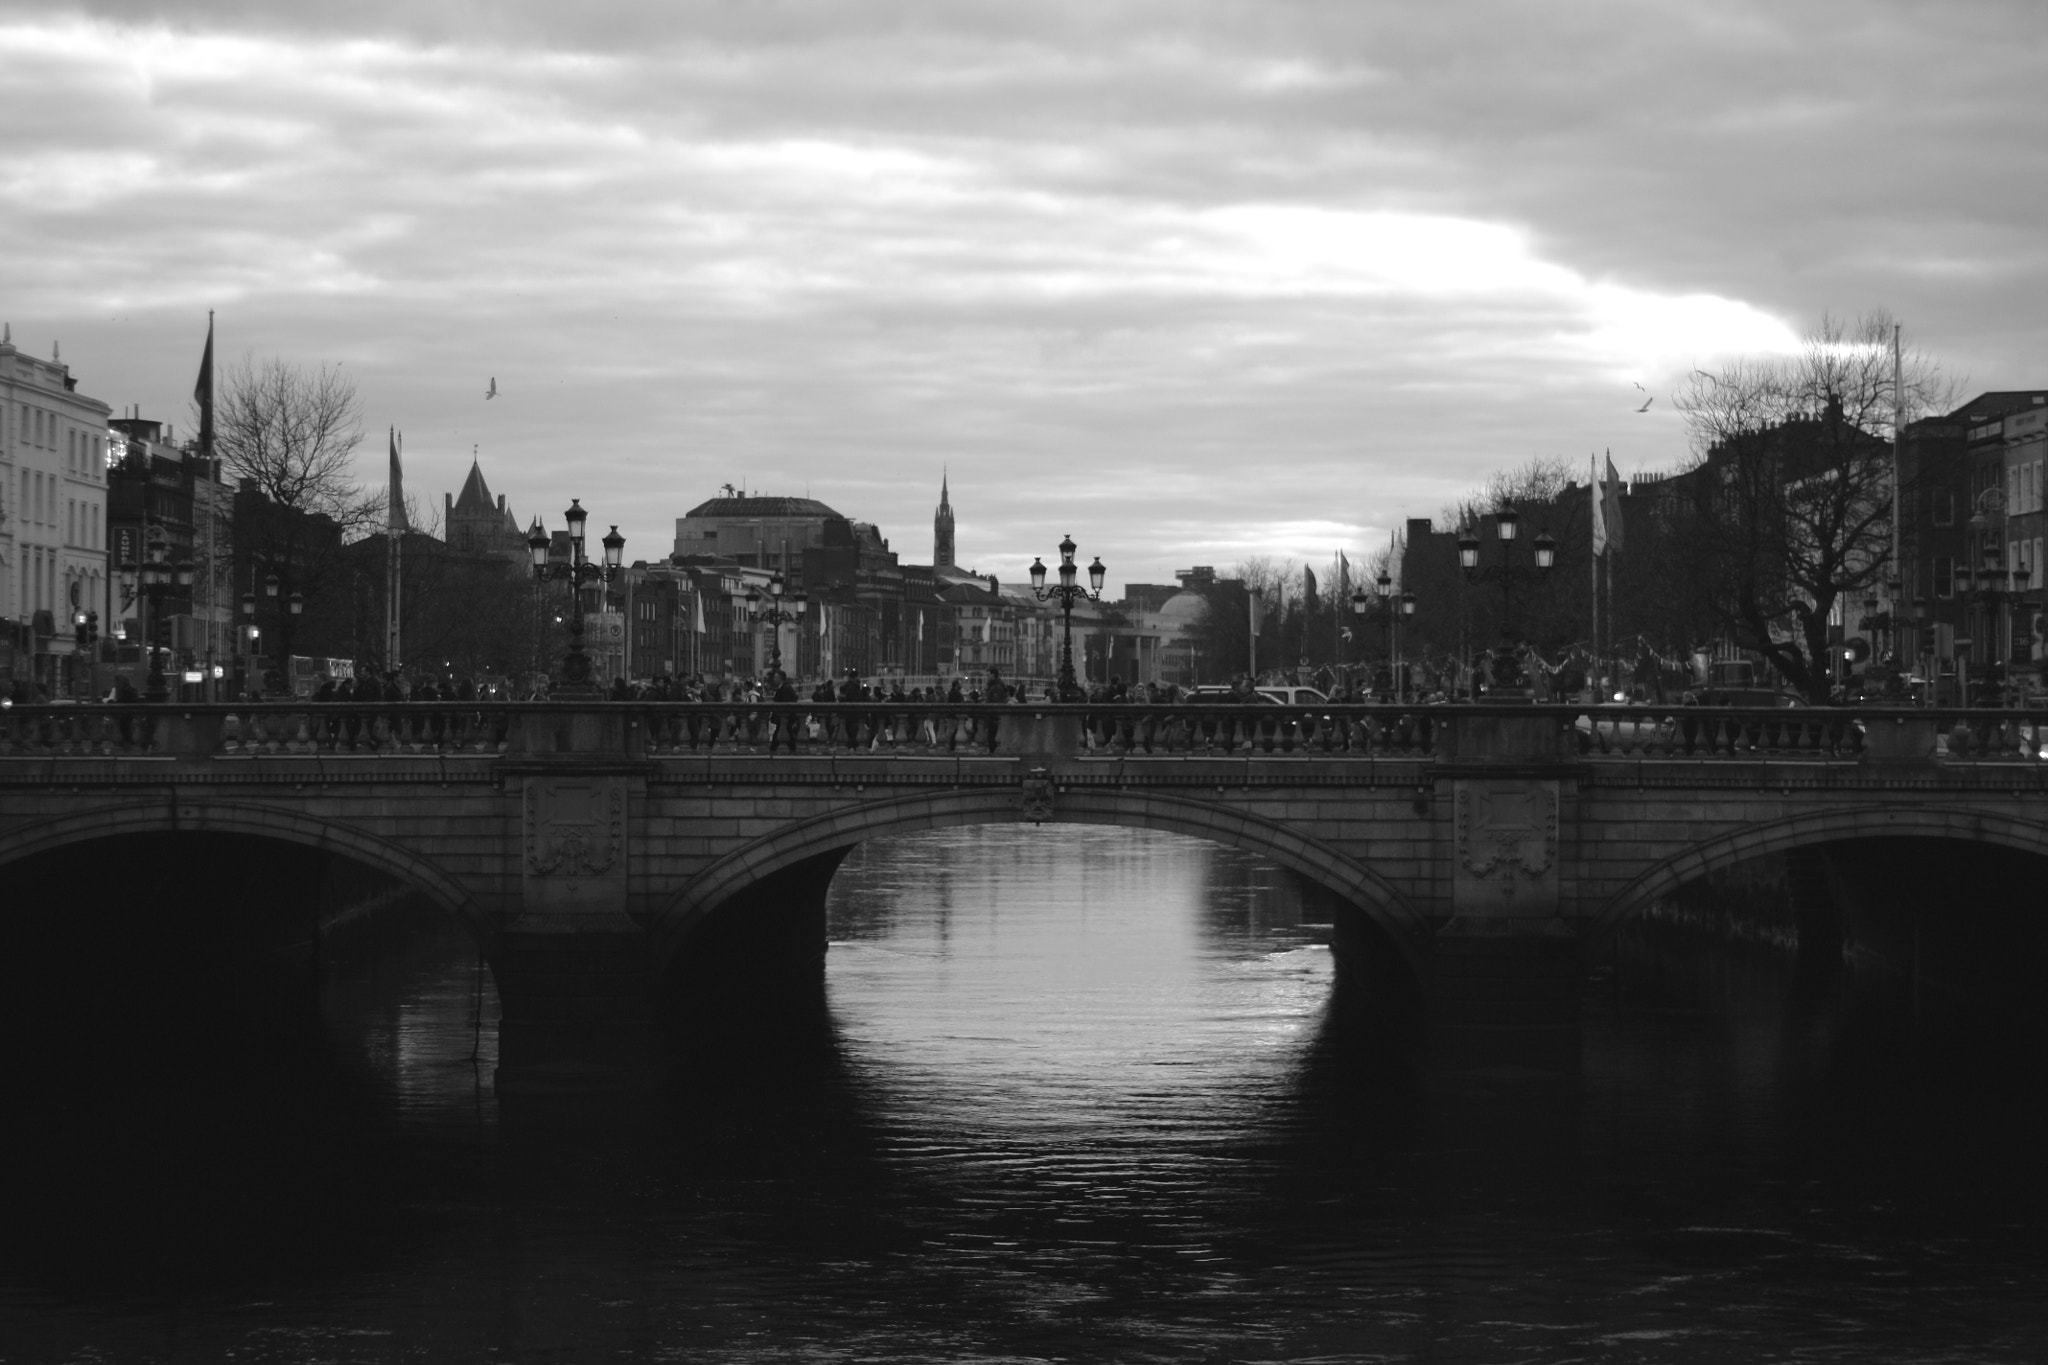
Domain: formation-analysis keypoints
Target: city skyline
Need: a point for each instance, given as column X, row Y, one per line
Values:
column 1189, row 285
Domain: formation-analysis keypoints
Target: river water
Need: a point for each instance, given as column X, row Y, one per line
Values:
column 1073, row 1094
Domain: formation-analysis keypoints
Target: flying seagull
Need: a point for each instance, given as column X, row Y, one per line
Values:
column 492, row 392
column 1646, row 403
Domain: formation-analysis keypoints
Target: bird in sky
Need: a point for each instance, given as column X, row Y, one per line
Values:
column 1646, row 403
column 492, row 392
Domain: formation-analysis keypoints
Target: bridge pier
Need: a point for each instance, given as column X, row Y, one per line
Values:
column 572, row 964
column 1506, row 967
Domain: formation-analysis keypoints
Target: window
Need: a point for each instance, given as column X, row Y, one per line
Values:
column 1942, row 504
column 1944, row 576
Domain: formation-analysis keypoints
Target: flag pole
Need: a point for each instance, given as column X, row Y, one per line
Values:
column 394, row 521
column 1898, row 573
column 203, row 392
column 212, row 515
column 1593, row 478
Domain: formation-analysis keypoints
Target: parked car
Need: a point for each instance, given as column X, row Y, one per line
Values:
column 1616, row 730
column 1210, row 694
column 1294, row 696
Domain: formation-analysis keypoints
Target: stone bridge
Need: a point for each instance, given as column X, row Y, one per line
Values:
column 613, row 859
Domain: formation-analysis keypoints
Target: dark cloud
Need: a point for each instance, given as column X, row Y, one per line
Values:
column 1172, row 276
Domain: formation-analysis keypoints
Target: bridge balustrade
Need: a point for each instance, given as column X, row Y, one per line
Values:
column 1811, row 733
column 1608, row 733
column 886, row 727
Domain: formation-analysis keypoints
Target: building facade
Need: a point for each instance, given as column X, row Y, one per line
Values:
column 53, row 498
column 764, row 532
column 163, row 494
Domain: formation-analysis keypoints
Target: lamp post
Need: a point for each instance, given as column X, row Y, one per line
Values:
column 576, row 680
column 294, row 606
column 1992, row 595
column 1393, row 611
column 155, row 576
column 85, row 648
column 774, row 615
column 1506, row 521
column 1878, row 625
column 1993, row 589
column 1067, row 592
column 1254, row 608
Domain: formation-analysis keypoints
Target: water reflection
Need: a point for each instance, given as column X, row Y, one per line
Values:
column 1072, row 1093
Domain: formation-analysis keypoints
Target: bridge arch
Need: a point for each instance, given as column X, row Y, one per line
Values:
column 284, row 826
column 1816, row 827
column 1385, row 906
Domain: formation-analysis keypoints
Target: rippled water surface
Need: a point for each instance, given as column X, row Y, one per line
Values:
column 1073, row 1094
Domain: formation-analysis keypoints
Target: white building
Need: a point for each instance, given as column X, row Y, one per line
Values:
column 53, row 500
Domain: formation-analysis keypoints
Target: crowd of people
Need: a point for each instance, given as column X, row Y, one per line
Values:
column 1577, row 675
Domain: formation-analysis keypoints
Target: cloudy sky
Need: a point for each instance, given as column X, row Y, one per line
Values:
column 1191, row 281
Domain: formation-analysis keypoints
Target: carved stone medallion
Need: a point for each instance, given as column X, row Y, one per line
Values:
column 1506, row 828
column 1506, row 868
column 574, row 828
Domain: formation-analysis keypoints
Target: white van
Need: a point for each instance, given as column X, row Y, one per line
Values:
column 1294, row 696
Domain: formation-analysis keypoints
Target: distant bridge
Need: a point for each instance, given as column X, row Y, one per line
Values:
column 607, row 855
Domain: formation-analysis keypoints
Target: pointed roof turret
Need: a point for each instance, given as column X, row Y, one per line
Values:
column 942, row 526
column 475, row 496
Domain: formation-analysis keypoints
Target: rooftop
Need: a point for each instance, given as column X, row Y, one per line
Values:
column 761, row 507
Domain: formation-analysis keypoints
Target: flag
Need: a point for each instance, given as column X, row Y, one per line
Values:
column 202, row 392
column 1610, row 506
column 1308, row 588
column 1599, row 507
column 1343, row 580
column 394, row 515
column 697, row 612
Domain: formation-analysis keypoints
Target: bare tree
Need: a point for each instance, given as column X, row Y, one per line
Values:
column 1787, row 508
column 288, row 437
column 295, row 433
column 1539, row 480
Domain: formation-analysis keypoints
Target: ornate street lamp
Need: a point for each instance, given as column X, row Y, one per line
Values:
column 1393, row 611
column 1068, row 591
column 1990, row 589
column 85, row 647
column 154, row 577
column 292, row 604
column 1994, row 591
column 774, row 615
column 576, row 679
column 1507, row 667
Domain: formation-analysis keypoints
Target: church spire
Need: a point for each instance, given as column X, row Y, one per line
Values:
column 942, row 528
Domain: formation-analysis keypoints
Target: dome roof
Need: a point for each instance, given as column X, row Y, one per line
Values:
column 1184, row 606
column 761, row 507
